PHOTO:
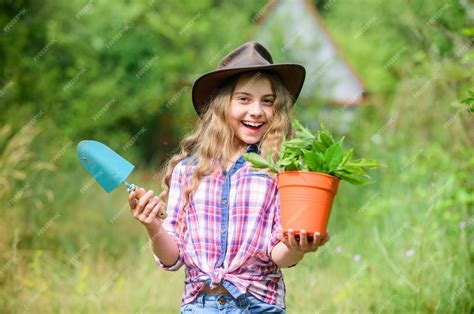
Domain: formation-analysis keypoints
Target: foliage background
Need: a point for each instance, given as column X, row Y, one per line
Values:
column 121, row 72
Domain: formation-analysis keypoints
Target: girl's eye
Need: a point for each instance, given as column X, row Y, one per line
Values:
column 268, row 101
column 243, row 99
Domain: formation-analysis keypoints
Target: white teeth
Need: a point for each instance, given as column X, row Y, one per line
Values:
column 252, row 124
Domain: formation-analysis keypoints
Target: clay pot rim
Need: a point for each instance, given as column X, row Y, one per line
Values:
column 313, row 172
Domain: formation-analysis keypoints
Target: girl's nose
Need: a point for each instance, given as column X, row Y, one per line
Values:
column 255, row 108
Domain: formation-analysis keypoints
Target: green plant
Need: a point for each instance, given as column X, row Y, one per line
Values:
column 469, row 101
column 317, row 152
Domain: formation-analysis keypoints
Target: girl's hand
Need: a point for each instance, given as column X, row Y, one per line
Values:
column 145, row 210
column 304, row 245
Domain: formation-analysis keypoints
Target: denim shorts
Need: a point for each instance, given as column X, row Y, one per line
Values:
column 226, row 303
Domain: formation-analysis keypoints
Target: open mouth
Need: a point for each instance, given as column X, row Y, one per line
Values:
column 252, row 125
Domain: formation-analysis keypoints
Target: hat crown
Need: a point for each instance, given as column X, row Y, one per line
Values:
column 249, row 54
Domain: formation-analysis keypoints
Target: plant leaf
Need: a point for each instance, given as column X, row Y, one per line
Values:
column 350, row 169
column 347, row 157
column 297, row 143
column 366, row 163
column 326, row 139
column 303, row 131
column 318, row 146
column 333, row 156
column 314, row 160
column 284, row 162
column 317, row 152
column 258, row 162
column 272, row 163
column 354, row 179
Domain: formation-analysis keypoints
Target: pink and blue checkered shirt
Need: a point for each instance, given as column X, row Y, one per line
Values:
column 231, row 227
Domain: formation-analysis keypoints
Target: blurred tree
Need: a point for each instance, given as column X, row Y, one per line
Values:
column 117, row 72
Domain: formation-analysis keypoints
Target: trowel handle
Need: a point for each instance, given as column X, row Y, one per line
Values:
column 139, row 192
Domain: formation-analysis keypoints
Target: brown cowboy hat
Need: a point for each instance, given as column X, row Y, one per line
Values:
column 250, row 56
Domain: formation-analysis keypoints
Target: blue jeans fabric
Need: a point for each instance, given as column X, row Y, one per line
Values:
column 246, row 303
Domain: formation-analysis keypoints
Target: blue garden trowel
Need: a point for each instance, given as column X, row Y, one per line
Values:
column 108, row 168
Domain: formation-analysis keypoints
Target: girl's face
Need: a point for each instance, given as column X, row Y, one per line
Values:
column 251, row 108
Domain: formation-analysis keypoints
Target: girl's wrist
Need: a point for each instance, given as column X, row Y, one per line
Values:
column 154, row 228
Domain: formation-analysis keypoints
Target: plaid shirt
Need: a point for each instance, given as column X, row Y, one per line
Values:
column 231, row 227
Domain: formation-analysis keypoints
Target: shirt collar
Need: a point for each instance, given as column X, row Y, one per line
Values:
column 253, row 148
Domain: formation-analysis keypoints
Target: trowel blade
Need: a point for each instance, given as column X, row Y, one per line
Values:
column 107, row 167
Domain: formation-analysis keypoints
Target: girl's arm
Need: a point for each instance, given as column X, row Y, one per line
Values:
column 285, row 257
column 163, row 245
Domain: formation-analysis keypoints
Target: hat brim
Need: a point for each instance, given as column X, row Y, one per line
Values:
column 291, row 74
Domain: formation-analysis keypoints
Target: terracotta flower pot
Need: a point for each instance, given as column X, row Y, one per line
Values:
column 306, row 200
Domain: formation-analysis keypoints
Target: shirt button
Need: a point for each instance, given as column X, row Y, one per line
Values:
column 222, row 230
column 224, row 202
column 222, row 301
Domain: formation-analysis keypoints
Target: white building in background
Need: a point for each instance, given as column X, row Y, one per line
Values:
column 294, row 31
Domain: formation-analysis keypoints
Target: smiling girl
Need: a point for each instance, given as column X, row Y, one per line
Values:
column 223, row 219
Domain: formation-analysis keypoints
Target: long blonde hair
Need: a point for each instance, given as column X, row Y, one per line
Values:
column 211, row 141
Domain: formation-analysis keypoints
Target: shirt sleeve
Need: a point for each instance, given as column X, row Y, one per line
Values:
column 170, row 223
column 276, row 225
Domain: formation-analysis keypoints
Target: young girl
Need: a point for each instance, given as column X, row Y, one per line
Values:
column 223, row 219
